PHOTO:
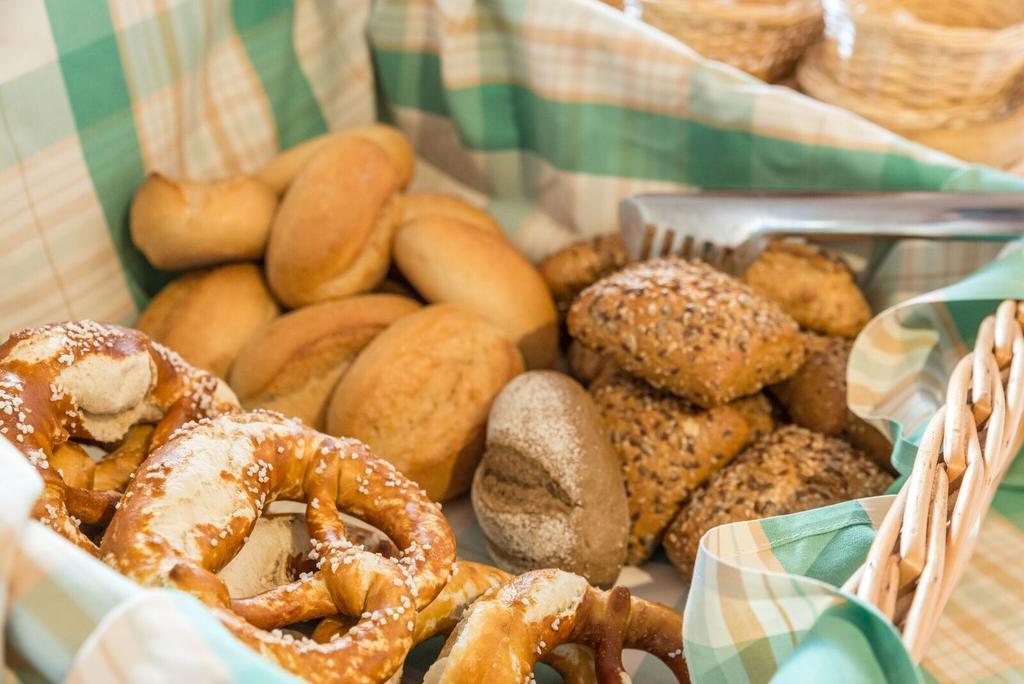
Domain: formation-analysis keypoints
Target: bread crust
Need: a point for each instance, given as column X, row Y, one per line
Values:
column 791, row 470
column 667, row 448
column 549, row 491
column 812, row 285
column 179, row 224
column 420, row 392
column 686, row 328
column 293, row 364
column 208, row 316
column 419, row 205
column 451, row 261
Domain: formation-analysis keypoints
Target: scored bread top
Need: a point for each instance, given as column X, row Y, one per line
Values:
column 689, row 329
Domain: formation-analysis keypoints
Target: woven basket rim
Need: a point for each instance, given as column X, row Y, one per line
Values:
column 917, row 29
column 790, row 12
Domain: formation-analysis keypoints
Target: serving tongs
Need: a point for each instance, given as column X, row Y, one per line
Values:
column 730, row 229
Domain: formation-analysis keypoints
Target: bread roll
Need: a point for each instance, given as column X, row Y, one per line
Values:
column 419, row 394
column 451, row 261
column 813, row 286
column 668, row 448
column 815, row 397
column 586, row 365
column 791, row 470
column 689, row 329
column 293, row 364
column 184, row 224
column 207, row 316
column 419, row 205
column 332, row 234
column 572, row 269
column 548, row 492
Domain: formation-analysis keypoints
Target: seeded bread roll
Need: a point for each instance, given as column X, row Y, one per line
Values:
column 332, row 235
column 812, row 285
column 420, row 392
column 668, row 448
column 293, row 364
column 181, row 224
column 571, row 269
column 207, row 316
column 689, row 329
column 451, row 261
column 548, row 492
column 815, row 397
column 791, row 470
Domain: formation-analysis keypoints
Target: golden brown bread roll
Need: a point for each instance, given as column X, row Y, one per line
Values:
column 812, row 285
column 184, row 224
column 417, row 205
column 815, row 397
column 571, row 269
column 332, row 234
column 419, row 394
column 293, row 364
column 280, row 171
column 451, row 261
column 549, row 492
column 586, row 365
column 668, row 448
column 791, row 470
column 689, row 329
column 207, row 316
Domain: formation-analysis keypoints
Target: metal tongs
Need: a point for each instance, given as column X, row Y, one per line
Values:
column 730, row 229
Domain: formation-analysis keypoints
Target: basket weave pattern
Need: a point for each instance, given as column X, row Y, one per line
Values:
column 762, row 38
column 945, row 61
column 925, row 541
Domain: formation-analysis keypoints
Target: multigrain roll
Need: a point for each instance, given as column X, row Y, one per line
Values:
column 549, row 492
column 689, row 329
column 207, row 316
column 179, row 224
column 332, row 234
column 815, row 397
column 668, row 448
column 573, row 268
column 451, row 261
column 420, row 392
column 293, row 364
column 791, row 470
column 417, row 205
column 812, row 285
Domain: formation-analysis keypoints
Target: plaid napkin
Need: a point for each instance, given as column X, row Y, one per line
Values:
column 547, row 113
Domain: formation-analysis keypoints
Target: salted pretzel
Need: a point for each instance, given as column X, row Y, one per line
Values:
column 503, row 634
column 93, row 382
column 193, row 501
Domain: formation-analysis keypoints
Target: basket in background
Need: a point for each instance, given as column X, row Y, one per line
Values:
column 762, row 37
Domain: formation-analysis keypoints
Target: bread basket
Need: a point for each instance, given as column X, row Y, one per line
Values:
column 945, row 55
column 762, row 37
column 925, row 541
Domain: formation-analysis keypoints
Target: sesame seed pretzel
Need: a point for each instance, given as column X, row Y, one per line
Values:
column 194, row 500
column 93, row 382
column 502, row 635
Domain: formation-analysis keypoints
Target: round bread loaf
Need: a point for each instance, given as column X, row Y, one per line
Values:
column 419, row 394
column 185, row 224
column 419, row 205
column 293, row 364
column 207, row 316
column 579, row 265
column 549, row 492
column 332, row 234
column 451, row 261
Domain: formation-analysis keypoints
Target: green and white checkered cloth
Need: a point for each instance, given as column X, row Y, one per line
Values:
column 547, row 112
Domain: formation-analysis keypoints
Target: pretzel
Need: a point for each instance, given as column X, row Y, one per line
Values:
column 93, row 382
column 501, row 636
column 194, row 500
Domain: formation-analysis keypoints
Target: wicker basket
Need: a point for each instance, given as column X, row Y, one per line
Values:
column 762, row 37
column 926, row 539
column 940, row 55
